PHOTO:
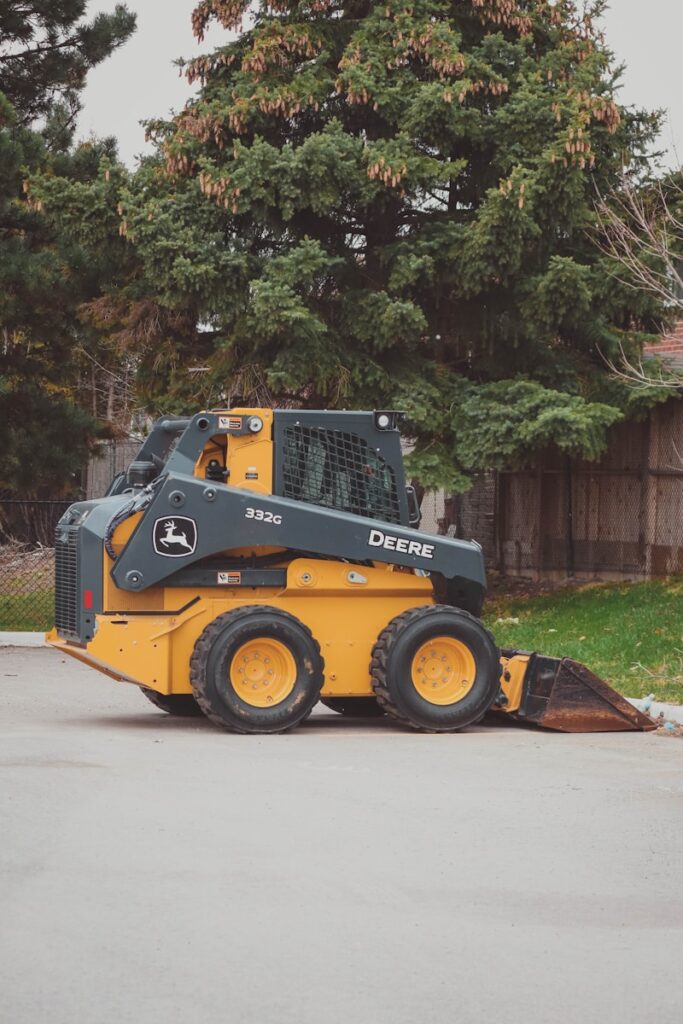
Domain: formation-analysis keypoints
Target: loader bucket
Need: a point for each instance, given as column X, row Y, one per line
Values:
column 562, row 694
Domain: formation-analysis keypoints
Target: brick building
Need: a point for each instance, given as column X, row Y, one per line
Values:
column 670, row 348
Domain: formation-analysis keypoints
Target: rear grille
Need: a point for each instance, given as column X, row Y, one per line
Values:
column 66, row 580
column 338, row 470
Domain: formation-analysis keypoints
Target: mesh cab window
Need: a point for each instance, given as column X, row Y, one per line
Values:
column 338, row 470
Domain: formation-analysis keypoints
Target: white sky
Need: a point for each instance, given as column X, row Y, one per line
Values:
column 140, row 81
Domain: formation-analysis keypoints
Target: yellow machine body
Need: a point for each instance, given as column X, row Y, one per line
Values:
column 345, row 618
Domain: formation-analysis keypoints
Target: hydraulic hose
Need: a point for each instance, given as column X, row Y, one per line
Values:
column 136, row 504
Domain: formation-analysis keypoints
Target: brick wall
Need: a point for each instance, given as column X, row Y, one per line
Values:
column 670, row 347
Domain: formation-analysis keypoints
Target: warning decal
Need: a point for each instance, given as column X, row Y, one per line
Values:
column 229, row 579
column 229, row 423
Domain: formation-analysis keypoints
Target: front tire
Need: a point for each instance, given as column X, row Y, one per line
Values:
column 435, row 668
column 256, row 670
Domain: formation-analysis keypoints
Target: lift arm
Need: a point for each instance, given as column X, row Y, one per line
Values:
column 212, row 518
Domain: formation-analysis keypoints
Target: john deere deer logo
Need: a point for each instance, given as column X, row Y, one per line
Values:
column 175, row 536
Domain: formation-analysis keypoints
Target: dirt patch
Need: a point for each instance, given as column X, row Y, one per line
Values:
column 521, row 587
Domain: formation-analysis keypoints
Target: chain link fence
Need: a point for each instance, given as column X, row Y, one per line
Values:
column 27, row 563
column 27, row 530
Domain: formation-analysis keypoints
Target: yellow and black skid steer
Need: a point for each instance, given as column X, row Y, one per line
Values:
column 252, row 562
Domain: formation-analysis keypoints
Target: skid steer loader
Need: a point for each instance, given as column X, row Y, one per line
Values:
column 252, row 562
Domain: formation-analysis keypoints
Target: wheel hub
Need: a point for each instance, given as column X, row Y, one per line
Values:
column 443, row 670
column 263, row 672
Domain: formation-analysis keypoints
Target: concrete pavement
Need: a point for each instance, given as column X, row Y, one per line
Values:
column 158, row 870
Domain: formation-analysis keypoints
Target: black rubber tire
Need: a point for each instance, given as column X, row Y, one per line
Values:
column 180, row 705
column 210, row 670
column 392, row 657
column 354, row 707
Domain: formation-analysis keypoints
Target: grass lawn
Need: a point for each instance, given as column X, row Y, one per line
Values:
column 26, row 588
column 630, row 634
column 31, row 612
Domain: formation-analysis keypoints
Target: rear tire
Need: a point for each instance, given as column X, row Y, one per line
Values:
column 256, row 670
column 354, row 707
column 435, row 668
column 180, row 705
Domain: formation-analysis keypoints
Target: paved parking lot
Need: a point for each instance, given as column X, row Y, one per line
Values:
column 158, row 870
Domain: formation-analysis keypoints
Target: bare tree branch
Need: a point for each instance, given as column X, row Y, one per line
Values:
column 641, row 231
column 645, row 239
column 642, row 376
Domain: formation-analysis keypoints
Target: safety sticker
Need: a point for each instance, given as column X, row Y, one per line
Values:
column 229, row 579
column 229, row 423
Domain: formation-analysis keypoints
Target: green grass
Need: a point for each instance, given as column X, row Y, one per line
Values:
column 629, row 634
column 31, row 612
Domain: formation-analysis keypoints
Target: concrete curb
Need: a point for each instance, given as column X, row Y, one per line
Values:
column 671, row 712
column 22, row 640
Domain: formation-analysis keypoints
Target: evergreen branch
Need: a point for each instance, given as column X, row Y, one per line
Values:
column 71, row 42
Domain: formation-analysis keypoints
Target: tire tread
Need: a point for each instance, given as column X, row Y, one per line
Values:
column 385, row 641
column 200, row 655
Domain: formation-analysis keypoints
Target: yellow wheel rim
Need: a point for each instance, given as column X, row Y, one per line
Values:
column 443, row 670
column 263, row 672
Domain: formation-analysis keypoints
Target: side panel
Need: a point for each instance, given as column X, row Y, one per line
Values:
column 345, row 609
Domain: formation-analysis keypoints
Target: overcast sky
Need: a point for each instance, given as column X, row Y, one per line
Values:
column 140, row 81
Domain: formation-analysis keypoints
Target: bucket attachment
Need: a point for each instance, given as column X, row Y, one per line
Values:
column 562, row 694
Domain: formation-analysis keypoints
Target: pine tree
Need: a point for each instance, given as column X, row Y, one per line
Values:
column 45, row 53
column 388, row 203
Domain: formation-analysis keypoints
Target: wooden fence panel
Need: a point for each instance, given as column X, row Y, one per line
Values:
column 518, row 521
column 114, row 457
column 620, row 516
